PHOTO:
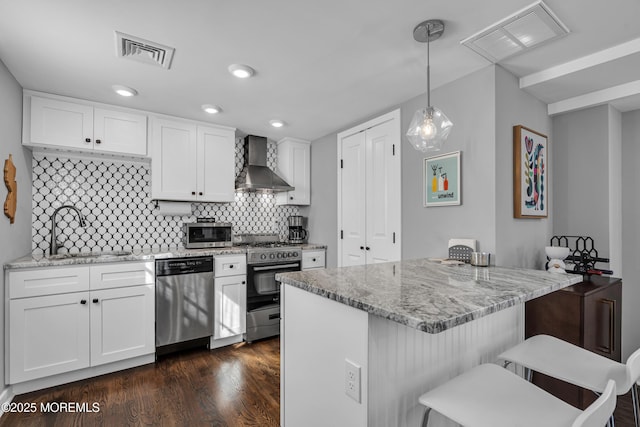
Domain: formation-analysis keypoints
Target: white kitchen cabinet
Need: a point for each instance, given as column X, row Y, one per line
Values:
column 48, row 335
column 122, row 323
column 191, row 162
column 62, row 123
column 230, row 306
column 230, row 295
column 82, row 317
column 369, row 191
column 294, row 166
column 313, row 259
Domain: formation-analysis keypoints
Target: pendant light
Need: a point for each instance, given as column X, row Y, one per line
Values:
column 430, row 127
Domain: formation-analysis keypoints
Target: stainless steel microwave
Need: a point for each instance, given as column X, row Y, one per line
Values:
column 197, row 235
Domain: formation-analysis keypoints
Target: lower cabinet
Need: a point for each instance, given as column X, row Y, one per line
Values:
column 122, row 323
column 587, row 314
column 62, row 332
column 230, row 293
column 48, row 335
column 313, row 259
column 230, row 306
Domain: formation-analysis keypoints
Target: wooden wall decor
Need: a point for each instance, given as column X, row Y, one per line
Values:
column 12, row 196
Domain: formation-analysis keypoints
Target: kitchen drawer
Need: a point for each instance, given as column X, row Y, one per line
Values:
column 230, row 265
column 118, row 275
column 313, row 259
column 48, row 281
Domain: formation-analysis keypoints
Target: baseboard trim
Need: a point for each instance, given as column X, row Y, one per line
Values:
column 6, row 396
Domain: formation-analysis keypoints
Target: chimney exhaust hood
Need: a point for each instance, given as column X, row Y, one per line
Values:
column 255, row 175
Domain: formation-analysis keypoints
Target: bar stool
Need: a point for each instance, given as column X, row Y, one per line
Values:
column 567, row 362
column 491, row 396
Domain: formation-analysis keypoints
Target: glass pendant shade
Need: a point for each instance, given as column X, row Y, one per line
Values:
column 429, row 129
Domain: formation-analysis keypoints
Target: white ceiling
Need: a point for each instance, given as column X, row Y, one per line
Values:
column 320, row 66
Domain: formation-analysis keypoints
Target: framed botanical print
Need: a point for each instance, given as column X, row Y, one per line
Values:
column 530, row 173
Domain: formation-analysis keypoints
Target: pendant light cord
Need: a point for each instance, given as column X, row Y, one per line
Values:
column 428, row 68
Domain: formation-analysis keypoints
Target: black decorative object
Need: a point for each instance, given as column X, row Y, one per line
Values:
column 583, row 254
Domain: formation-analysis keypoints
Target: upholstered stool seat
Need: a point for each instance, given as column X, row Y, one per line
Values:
column 491, row 396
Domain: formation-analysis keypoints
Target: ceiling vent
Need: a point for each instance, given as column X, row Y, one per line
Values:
column 524, row 30
column 143, row 50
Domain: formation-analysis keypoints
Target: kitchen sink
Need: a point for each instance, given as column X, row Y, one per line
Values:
column 99, row 255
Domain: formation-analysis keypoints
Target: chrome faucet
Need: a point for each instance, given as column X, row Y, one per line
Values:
column 53, row 248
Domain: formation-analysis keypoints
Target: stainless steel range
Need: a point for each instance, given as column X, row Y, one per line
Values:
column 266, row 256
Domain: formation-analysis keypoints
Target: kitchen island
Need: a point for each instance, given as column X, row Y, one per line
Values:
column 404, row 327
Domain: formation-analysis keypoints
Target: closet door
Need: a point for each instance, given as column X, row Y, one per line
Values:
column 383, row 195
column 352, row 200
column 369, row 192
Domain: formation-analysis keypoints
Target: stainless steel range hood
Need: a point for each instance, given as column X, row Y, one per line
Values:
column 255, row 175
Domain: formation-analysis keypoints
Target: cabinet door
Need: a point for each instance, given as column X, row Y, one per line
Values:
column 48, row 335
column 602, row 322
column 230, row 306
column 294, row 166
column 383, row 202
column 216, row 164
column 173, row 168
column 122, row 323
column 62, row 124
column 120, row 132
column 352, row 201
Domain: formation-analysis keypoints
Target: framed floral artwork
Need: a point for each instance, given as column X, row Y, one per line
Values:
column 530, row 173
column 442, row 180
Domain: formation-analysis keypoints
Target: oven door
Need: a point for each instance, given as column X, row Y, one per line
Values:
column 262, row 287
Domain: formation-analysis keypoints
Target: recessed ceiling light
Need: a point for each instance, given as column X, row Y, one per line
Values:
column 211, row 109
column 241, row 71
column 124, row 90
column 276, row 123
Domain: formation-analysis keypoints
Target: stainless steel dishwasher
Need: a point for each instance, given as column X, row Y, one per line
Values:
column 184, row 303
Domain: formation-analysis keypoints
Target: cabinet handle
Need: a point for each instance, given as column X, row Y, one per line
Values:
column 87, row 140
column 200, row 193
column 362, row 248
column 611, row 304
column 193, row 193
column 313, row 259
column 95, row 300
column 98, row 141
column 83, row 301
column 367, row 248
column 244, row 282
column 290, row 197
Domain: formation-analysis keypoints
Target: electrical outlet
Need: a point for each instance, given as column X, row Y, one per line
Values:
column 352, row 380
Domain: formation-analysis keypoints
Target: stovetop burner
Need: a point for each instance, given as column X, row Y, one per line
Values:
column 266, row 248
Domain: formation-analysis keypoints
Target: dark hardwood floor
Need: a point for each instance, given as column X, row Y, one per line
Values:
column 237, row 385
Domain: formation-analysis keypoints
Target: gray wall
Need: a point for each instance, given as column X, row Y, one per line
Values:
column 519, row 242
column 15, row 237
column 631, row 236
column 470, row 104
column 615, row 190
column 322, row 214
column 580, row 166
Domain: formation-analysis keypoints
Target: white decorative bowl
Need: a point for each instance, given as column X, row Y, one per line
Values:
column 556, row 252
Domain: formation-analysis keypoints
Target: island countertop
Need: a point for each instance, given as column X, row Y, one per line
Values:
column 426, row 295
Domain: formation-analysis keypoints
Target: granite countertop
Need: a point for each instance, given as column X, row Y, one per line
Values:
column 426, row 295
column 35, row 261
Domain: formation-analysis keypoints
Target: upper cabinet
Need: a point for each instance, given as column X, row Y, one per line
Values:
column 60, row 123
column 192, row 162
column 294, row 166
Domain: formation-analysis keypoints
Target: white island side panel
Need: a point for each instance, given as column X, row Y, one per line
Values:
column 317, row 336
column 404, row 362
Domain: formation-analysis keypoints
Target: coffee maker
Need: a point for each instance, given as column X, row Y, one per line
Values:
column 297, row 229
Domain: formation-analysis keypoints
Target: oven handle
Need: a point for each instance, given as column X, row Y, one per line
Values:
column 276, row 267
